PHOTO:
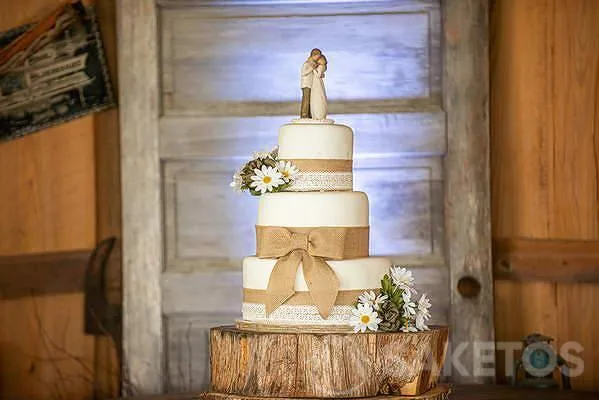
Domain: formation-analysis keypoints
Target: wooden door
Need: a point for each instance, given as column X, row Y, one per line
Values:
column 205, row 83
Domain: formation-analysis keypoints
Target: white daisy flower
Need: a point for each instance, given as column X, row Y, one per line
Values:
column 266, row 179
column 364, row 317
column 367, row 298
column 423, row 314
column 424, row 303
column 402, row 278
column 371, row 299
column 288, row 170
column 236, row 182
column 421, row 321
column 261, row 155
column 409, row 307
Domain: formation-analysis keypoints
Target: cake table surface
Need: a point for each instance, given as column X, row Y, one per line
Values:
column 458, row 392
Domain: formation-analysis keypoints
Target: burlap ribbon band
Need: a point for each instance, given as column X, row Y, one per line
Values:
column 322, row 165
column 311, row 247
column 344, row 297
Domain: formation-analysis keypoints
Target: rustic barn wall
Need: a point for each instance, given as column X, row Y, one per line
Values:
column 49, row 202
column 544, row 119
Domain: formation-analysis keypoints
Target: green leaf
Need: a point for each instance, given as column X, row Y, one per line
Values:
column 387, row 285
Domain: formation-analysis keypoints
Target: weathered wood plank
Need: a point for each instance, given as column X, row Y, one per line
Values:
column 439, row 393
column 467, row 175
column 400, row 38
column 107, row 374
column 333, row 365
column 187, row 348
column 382, row 135
column 186, row 292
column 264, row 7
column 48, row 273
column 143, row 339
column 549, row 260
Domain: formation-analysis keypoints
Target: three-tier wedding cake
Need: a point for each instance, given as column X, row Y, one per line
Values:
column 312, row 265
column 320, row 199
column 312, row 282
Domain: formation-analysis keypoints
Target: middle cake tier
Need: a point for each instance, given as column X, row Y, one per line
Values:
column 313, row 209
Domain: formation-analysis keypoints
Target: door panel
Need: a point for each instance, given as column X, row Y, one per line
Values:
column 232, row 60
column 230, row 80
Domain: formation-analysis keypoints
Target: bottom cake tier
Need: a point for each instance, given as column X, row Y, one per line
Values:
column 355, row 276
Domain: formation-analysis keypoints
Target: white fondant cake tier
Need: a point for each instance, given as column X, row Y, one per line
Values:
column 319, row 150
column 316, row 141
column 356, row 275
column 313, row 209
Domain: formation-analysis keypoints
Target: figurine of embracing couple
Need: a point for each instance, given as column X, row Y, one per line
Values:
column 314, row 98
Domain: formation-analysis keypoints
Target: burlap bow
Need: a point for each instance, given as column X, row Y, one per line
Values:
column 311, row 247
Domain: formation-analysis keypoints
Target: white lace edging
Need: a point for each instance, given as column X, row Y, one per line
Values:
column 286, row 314
column 327, row 181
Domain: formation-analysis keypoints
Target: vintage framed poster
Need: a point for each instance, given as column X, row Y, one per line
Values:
column 52, row 71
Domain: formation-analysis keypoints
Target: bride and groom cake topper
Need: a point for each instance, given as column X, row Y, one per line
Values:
column 314, row 98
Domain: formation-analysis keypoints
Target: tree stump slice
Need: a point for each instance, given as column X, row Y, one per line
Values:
column 440, row 392
column 250, row 363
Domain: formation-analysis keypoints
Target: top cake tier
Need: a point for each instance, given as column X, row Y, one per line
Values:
column 322, row 152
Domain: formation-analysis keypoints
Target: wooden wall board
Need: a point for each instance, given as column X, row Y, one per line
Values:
column 467, row 191
column 43, row 273
column 544, row 161
column 48, row 205
column 49, row 201
column 550, row 260
column 143, row 338
column 107, row 375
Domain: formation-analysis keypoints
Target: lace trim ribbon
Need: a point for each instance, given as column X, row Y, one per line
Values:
column 325, row 181
column 296, row 314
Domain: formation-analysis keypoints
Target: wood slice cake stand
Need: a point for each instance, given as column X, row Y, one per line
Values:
column 249, row 364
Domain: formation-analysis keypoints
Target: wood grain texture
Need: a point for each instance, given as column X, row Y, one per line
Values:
column 107, row 376
column 43, row 273
column 457, row 392
column 544, row 161
column 143, row 337
column 47, row 206
column 188, row 347
column 382, row 135
column 441, row 392
column 207, row 77
column 325, row 365
column 467, row 175
column 550, row 260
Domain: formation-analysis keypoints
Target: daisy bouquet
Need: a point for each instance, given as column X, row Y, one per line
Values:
column 396, row 307
column 264, row 173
